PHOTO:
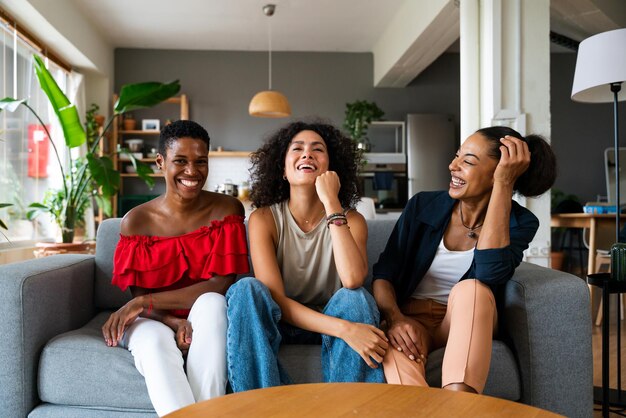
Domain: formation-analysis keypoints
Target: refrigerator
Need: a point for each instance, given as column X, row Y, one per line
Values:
column 431, row 146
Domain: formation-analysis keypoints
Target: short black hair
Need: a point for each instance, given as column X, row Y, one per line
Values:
column 181, row 129
column 268, row 163
column 541, row 172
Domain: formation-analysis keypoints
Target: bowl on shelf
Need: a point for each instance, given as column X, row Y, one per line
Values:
column 130, row 169
column 125, row 157
column 134, row 145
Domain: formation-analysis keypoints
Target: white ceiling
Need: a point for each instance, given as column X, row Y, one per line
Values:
column 297, row 25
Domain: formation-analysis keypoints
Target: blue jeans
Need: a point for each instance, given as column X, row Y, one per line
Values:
column 254, row 337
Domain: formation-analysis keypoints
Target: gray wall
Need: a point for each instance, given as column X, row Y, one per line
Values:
column 220, row 85
column 580, row 133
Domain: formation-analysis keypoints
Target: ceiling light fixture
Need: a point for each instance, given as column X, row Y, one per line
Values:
column 269, row 103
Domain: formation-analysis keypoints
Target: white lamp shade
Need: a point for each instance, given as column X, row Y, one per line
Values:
column 269, row 104
column 601, row 61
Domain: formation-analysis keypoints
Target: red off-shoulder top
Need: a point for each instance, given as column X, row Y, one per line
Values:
column 169, row 263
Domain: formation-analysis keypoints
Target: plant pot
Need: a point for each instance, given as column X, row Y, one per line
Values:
column 99, row 120
column 556, row 260
column 45, row 249
column 129, row 124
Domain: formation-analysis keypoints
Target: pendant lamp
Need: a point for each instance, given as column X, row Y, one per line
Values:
column 269, row 103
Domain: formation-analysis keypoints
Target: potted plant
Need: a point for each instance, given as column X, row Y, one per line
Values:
column 16, row 213
column 92, row 175
column 129, row 122
column 93, row 123
column 359, row 115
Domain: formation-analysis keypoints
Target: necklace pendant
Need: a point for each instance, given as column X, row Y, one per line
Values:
column 471, row 234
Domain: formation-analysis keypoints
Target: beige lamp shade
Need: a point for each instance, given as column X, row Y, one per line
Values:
column 269, row 104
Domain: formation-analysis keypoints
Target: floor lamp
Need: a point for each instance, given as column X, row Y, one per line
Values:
column 600, row 72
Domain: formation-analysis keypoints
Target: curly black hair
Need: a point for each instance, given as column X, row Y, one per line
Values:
column 181, row 129
column 541, row 172
column 268, row 163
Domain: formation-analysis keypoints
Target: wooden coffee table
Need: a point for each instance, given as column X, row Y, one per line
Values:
column 357, row 399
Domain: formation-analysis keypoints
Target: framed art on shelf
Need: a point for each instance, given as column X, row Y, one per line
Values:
column 150, row 124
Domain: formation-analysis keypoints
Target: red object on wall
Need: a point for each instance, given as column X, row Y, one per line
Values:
column 38, row 151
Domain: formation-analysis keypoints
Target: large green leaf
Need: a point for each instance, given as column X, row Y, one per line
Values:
column 103, row 173
column 141, row 95
column 64, row 109
column 144, row 172
column 104, row 203
column 10, row 104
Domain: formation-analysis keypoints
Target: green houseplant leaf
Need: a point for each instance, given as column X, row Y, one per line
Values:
column 103, row 173
column 359, row 115
column 9, row 104
column 66, row 112
column 142, row 95
column 90, row 176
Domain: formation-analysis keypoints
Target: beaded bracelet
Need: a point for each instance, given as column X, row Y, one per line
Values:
column 334, row 215
column 338, row 220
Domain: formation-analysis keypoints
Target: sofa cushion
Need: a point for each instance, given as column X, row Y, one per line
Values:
column 80, row 359
column 47, row 410
column 107, row 296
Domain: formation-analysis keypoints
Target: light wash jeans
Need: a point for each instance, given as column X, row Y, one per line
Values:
column 254, row 337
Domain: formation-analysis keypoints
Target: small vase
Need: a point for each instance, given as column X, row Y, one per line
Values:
column 129, row 124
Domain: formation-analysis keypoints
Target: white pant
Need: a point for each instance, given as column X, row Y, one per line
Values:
column 161, row 363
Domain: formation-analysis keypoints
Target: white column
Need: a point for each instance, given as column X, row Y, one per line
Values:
column 505, row 80
column 470, row 67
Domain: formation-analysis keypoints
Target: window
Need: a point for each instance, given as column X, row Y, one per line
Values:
column 28, row 166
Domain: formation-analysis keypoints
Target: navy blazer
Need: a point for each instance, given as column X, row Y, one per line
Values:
column 414, row 240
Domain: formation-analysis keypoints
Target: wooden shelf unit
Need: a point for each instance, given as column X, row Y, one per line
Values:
column 120, row 135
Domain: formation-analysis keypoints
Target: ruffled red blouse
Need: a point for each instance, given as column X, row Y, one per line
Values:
column 169, row 263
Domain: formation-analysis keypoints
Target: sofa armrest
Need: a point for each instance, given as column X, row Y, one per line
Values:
column 39, row 299
column 547, row 316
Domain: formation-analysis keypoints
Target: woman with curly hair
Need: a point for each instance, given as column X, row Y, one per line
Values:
column 308, row 248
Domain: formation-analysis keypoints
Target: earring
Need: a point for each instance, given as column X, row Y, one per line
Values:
column 284, row 177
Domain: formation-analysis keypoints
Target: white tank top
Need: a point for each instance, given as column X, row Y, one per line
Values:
column 305, row 259
column 445, row 271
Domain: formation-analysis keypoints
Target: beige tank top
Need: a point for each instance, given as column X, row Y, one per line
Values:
column 305, row 259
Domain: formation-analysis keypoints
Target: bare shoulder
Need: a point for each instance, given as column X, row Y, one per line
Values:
column 354, row 216
column 262, row 216
column 139, row 220
column 221, row 205
column 262, row 220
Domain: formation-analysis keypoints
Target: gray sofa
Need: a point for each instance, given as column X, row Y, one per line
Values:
column 55, row 363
